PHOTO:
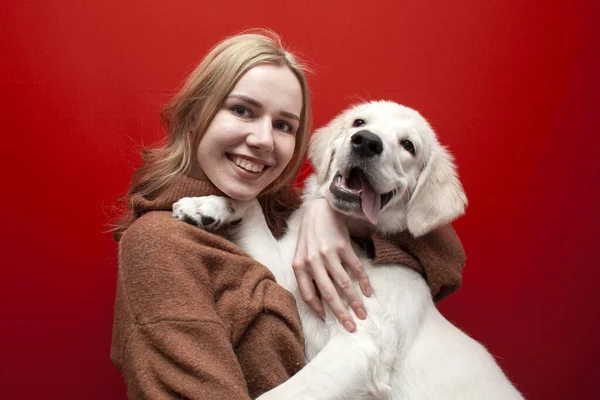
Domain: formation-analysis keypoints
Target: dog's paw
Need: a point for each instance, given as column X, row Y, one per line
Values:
column 208, row 212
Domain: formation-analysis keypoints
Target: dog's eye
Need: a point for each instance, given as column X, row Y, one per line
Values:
column 358, row 122
column 408, row 145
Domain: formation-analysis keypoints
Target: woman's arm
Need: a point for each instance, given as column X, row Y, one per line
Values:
column 323, row 246
column 197, row 318
column 439, row 256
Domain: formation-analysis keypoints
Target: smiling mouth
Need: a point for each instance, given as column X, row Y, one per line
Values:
column 247, row 165
column 356, row 188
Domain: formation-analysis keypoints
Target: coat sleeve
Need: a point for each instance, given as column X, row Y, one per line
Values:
column 439, row 256
column 168, row 339
column 175, row 359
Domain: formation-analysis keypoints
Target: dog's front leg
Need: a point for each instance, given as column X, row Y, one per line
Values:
column 245, row 223
column 253, row 235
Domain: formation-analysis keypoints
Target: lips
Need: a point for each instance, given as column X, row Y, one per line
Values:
column 250, row 165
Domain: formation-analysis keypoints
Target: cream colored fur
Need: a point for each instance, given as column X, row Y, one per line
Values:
column 405, row 349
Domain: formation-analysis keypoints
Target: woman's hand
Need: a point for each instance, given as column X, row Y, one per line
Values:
column 323, row 245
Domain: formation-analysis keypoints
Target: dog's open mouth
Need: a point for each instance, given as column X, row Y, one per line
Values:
column 357, row 188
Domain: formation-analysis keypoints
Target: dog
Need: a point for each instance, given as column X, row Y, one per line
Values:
column 381, row 164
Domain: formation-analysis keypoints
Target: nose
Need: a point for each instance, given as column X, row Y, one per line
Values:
column 366, row 144
column 260, row 135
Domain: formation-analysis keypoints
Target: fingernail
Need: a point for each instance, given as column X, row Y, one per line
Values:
column 361, row 313
column 349, row 325
column 368, row 291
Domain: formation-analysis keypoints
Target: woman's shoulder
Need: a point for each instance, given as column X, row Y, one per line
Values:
column 154, row 224
column 159, row 229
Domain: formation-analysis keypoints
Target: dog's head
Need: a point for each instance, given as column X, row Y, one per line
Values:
column 381, row 162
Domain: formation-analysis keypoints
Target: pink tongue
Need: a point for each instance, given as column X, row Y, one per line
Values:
column 370, row 202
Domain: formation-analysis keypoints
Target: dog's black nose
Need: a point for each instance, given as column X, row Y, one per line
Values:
column 366, row 144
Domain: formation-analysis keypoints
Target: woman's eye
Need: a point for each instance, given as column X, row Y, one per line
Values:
column 358, row 122
column 283, row 126
column 240, row 111
column 408, row 146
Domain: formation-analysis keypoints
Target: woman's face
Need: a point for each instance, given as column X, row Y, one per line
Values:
column 252, row 137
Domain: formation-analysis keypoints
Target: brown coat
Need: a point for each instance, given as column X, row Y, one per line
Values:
column 197, row 318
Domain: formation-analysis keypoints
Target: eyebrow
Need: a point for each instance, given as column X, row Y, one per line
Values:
column 255, row 103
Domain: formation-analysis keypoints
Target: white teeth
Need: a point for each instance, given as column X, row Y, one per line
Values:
column 247, row 165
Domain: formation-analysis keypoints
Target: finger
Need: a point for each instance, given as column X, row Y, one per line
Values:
column 349, row 258
column 330, row 295
column 307, row 291
column 344, row 282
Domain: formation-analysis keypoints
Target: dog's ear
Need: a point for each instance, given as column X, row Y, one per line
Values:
column 320, row 150
column 438, row 197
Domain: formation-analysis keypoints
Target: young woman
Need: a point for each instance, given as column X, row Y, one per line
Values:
column 195, row 317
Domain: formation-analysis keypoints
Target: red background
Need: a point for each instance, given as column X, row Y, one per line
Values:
column 510, row 87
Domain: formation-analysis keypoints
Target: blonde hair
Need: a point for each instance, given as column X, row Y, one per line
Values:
column 193, row 108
